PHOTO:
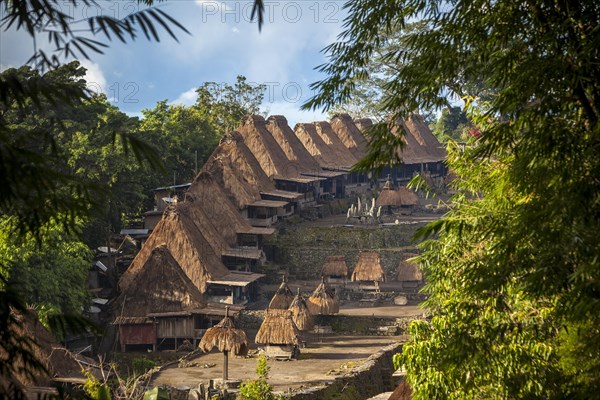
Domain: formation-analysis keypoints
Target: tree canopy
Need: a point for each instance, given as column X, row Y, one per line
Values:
column 512, row 270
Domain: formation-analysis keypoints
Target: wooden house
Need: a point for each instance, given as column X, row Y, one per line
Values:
column 368, row 271
column 279, row 334
column 335, row 270
column 409, row 273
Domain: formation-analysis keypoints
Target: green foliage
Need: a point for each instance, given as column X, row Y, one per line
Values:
column 512, row 270
column 258, row 389
column 95, row 389
column 453, row 124
column 51, row 273
column 141, row 365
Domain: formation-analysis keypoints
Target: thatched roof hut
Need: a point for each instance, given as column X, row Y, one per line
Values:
column 403, row 197
column 278, row 328
column 161, row 286
column 335, row 266
column 265, row 148
column 278, row 126
column 409, row 271
column 301, row 314
column 227, row 338
column 349, row 134
column 368, row 267
column 421, row 145
column 282, row 298
column 343, row 155
column 59, row 363
column 323, row 300
column 187, row 244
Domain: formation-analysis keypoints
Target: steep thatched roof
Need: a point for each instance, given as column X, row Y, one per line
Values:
column 186, row 243
column 335, row 266
column 368, row 267
column 300, row 313
column 409, row 270
column 265, row 148
column 323, row 300
column 235, row 169
column 350, row 135
column 343, row 155
column 421, row 145
column 59, row 362
column 291, row 145
column 282, row 298
column 278, row 328
column 161, row 286
column 225, row 337
column 363, row 123
column 206, row 194
column 314, row 144
column 397, row 198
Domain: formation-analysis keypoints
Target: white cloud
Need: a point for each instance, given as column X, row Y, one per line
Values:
column 292, row 112
column 94, row 76
column 186, row 98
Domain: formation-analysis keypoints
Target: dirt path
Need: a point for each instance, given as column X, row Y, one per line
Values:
column 324, row 358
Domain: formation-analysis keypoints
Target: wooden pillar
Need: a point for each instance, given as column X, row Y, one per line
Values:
column 225, row 366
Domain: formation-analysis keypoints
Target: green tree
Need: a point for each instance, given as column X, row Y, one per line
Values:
column 512, row 271
column 224, row 106
column 184, row 139
column 52, row 276
column 258, row 389
column 453, row 124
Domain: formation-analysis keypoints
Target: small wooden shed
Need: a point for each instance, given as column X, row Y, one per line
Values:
column 402, row 200
column 279, row 334
column 301, row 314
column 368, row 270
column 283, row 297
column 335, row 270
column 323, row 300
column 409, row 272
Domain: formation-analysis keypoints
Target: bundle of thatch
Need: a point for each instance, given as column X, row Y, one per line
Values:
column 282, row 298
column 291, row 145
column 278, row 328
column 161, row 286
column 409, row 271
column 349, row 134
column 368, row 267
column 265, row 148
column 323, row 300
column 187, row 244
column 225, row 337
column 344, row 157
column 335, row 266
column 301, row 314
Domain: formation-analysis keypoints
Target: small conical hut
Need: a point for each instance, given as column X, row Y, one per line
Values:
column 282, row 298
column 280, row 334
column 409, row 272
column 323, row 300
column 368, row 269
column 301, row 314
column 335, row 269
column 227, row 338
column 402, row 199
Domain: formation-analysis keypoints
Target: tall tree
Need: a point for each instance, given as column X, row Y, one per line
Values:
column 514, row 276
column 224, row 106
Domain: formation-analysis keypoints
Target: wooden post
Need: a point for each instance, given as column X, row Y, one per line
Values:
column 225, row 367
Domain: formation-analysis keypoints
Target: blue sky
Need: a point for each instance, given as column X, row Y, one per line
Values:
column 223, row 44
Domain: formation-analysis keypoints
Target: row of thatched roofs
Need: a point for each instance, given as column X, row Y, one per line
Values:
column 184, row 252
column 368, row 268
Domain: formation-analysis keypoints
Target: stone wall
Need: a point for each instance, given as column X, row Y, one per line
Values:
column 302, row 250
column 371, row 378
